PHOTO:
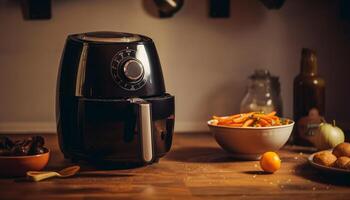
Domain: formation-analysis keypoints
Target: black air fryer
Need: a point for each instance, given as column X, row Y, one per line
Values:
column 111, row 102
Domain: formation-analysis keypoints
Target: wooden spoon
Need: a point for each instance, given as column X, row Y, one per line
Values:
column 41, row 175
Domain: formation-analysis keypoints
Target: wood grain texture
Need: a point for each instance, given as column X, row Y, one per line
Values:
column 195, row 168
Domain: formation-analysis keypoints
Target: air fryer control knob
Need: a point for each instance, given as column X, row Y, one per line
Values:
column 133, row 70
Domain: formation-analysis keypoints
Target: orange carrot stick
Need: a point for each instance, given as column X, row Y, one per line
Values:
column 243, row 117
column 248, row 122
column 234, row 125
column 273, row 113
column 263, row 122
column 226, row 119
column 262, row 116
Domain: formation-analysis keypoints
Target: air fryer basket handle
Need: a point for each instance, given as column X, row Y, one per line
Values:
column 144, row 124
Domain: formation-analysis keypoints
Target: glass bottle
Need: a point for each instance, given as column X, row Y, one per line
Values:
column 260, row 96
column 309, row 97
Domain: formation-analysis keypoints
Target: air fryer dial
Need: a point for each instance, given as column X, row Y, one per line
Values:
column 133, row 70
column 127, row 71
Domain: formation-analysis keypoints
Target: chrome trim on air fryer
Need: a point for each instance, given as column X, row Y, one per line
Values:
column 133, row 38
column 146, row 131
column 81, row 71
column 145, row 127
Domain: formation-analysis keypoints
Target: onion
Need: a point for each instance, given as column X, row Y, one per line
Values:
column 325, row 136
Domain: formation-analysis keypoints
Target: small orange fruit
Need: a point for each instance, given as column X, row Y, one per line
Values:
column 270, row 162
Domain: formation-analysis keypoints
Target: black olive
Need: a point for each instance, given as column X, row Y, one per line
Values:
column 37, row 146
column 38, row 141
column 39, row 150
column 5, row 143
column 21, row 148
column 18, row 151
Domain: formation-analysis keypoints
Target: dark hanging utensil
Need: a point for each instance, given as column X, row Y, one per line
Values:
column 273, row 4
column 344, row 9
column 167, row 8
column 219, row 8
column 34, row 9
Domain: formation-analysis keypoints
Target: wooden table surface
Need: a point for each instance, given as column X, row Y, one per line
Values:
column 195, row 168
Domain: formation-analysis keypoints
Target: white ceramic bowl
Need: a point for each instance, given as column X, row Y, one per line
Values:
column 249, row 143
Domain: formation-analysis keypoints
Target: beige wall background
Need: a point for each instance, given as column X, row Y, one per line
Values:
column 205, row 61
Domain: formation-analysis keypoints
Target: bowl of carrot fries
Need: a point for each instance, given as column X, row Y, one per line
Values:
column 248, row 135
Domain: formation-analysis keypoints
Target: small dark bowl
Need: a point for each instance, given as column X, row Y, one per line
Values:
column 16, row 166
